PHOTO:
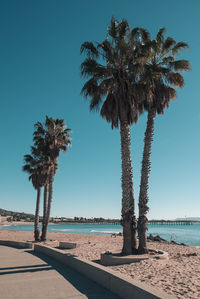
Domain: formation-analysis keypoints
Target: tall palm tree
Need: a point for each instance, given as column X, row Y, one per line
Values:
column 33, row 167
column 112, row 69
column 160, row 78
column 52, row 139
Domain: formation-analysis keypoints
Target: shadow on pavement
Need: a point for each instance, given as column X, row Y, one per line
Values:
column 83, row 284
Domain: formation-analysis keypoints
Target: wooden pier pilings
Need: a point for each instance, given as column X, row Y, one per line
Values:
column 173, row 222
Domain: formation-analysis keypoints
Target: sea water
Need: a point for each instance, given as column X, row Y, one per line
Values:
column 187, row 234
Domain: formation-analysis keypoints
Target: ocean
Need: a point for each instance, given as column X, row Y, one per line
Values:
column 187, row 234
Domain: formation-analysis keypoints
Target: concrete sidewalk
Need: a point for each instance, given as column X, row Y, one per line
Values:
column 27, row 275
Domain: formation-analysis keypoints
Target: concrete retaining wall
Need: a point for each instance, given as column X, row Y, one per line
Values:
column 16, row 244
column 116, row 283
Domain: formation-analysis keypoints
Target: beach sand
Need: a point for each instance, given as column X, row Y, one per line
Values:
column 179, row 275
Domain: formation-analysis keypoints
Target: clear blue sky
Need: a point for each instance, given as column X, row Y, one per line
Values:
column 40, row 75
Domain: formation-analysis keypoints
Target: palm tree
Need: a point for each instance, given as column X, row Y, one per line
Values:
column 41, row 151
column 112, row 68
column 52, row 139
column 160, row 78
column 33, row 167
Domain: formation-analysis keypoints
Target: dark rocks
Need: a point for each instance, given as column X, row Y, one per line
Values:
column 156, row 238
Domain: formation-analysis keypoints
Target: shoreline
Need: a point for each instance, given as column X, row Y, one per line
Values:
column 178, row 276
column 152, row 234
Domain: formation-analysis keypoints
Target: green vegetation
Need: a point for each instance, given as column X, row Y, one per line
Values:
column 17, row 216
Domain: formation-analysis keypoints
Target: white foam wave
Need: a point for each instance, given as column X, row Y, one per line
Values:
column 61, row 230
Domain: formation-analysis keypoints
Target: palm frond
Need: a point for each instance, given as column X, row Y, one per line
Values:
column 172, row 92
column 112, row 29
column 178, row 47
column 123, row 28
column 134, row 34
column 181, row 65
column 160, row 35
column 95, row 102
column 90, row 87
column 168, row 43
column 145, row 35
column 175, row 79
column 89, row 49
column 91, row 68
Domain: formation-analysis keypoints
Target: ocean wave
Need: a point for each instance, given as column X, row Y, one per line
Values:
column 4, row 225
column 104, row 231
column 61, row 230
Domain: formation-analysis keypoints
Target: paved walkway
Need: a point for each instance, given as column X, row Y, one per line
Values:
column 25, row 274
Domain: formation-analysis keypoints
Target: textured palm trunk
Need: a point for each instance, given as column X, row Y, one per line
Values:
column 44, row 210
column 128, row 210
column 143, row 195
column 36, row 223
column 50, row 194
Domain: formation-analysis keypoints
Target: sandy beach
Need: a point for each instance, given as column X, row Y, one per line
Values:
column 179, row 275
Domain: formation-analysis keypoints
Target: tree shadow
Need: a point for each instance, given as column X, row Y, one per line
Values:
column 83, row 284
column 27, row 269
column 24, row 267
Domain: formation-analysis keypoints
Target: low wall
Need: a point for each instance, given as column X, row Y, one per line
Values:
column 117, row 283
column 16, row 244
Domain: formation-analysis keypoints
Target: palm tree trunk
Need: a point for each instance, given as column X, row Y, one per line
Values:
column 36, row 224
column 143, row 195
column 44, row 209
column 44, row 232
column 128, row 214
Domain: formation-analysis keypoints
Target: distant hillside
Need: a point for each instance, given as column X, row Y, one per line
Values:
column 17, row 215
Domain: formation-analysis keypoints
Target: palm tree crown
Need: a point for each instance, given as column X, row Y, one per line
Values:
column 116, row 79
column 161, row 74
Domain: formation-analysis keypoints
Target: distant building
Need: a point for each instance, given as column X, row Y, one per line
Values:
column 5, row 219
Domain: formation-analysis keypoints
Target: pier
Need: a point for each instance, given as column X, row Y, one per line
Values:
column 173, row 222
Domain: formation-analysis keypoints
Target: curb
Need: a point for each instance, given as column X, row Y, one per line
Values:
column 118, row 284
column 16, row 244
column 109, row 259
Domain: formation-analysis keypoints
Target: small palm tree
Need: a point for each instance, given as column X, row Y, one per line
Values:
column 33, row 167
column 51, row 138
column 112, row 68
column 41, row 151
column 160, row 78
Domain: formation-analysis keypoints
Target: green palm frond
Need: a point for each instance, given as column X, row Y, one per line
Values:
column 91, row 68
column 172, row 93
column 95, row 102
column 178, row 47
column 112, row 29
column 123, row 28
column 134, row 34
column 181, row 65
column 160, row 35
column 175, row 79
column 168, row 43
column 145, row 35
column 89, row 49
